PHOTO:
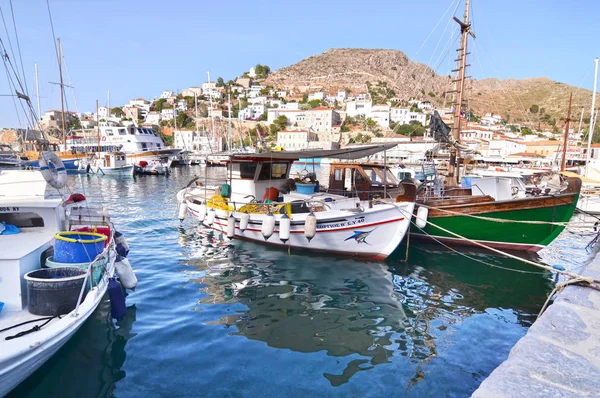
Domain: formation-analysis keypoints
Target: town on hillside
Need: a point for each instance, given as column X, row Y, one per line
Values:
column 247, row 112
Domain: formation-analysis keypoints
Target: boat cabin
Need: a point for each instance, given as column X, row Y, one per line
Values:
column 112, row 160
column 366, row 181
column 252, row 179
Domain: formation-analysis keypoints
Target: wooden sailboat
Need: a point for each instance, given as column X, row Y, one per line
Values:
column 488, row 212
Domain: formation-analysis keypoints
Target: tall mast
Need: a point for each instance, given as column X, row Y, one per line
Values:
column 212, row 115
column 37, row 92
column 196, row 106
column 567, row 120
column 229, row 137
column 108, row 103
column 465, row 29
column 62, row 95
column 97, row 126
column 592, row 120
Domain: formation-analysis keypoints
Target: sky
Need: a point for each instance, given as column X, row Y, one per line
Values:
column 138, row 48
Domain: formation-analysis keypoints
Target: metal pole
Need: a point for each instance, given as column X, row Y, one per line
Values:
column 592, row 120
column 385, row 174
column 37, row 90
column 62, row 95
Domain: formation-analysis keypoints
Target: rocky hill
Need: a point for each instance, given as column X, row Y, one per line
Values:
column 354, row 69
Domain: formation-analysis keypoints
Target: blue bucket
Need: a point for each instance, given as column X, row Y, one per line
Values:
column 305, row 188
column 77, row 247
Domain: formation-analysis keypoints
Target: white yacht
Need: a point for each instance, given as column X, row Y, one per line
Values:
column 138, row 143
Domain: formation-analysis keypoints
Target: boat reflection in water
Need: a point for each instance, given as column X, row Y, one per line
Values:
column 374, row 312
column 90, row 364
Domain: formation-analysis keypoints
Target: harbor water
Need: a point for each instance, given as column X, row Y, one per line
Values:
column 217, row 318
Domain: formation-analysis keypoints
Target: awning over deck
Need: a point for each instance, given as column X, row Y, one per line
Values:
column 349, row 153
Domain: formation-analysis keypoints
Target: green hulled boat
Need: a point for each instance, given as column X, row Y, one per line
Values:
column 485, row 220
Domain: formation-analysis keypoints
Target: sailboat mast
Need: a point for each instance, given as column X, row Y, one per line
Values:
column 37, row 92
column 229, row 137
column 212, row 114
column 592, row 120
column 465, row 29
column 567, row 120
column 62, row 95
column 97, row 126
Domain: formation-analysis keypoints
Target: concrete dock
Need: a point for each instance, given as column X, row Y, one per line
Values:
column 560, row 354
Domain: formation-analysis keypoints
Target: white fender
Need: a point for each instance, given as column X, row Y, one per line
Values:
column 202, row 212
column 182, row 210
column 231, row 226
column 121, row 240
column 422, row 217
column 126, row 274
column 268, row 226
column 244, row 220
column 55, row 176
column 310, row 226
column 210, row 217
column 284, row 228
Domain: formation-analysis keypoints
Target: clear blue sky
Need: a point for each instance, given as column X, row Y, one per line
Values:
column 138, row 48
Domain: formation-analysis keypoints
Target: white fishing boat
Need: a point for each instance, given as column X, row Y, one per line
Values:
column 260, row 203
column 38, row 316
column 113, row 163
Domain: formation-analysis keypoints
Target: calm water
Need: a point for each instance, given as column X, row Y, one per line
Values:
column 211, row 318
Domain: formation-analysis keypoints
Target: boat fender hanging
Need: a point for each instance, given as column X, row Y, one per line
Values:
column 202, row 212
column 117, row 299
column 126, row 274
column 231, row 226
column 284, row 228
column 244, row 220
column 210, row 216
column 310, row 226
column 55, row 176
column 182, row 210
column 422, row 217
column 122, row 245
column 268, row 226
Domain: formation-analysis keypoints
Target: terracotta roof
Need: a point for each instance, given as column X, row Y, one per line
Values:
column 542, row 143
column 527, row 154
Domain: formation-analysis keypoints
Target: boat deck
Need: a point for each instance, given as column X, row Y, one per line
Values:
column 10, row 318
column 21, row 244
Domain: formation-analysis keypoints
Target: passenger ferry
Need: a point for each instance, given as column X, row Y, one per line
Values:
column 138, row 143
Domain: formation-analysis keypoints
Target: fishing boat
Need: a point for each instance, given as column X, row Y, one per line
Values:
column 260, row 203
column 10, row 158
column 113, row 163
column 56, row 264
column 489, row 212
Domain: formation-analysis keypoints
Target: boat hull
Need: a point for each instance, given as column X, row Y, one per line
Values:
column 113, row 171
column 501, row 235
column 372, row 234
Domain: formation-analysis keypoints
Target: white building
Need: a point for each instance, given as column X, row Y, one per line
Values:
column 296, row 118
column 209, row 86
column 316, row 96
column 405, row 116
column 215, row 112
column 359, row 107
column 381, row 115
column 252, row 72
column 252, row 112
column 103, row 112
column 296, row 140
column 470, row 133
column 291, row 106
column 342, row 95
column 255, row 90
column 167, row 114
column 153, row 118
column 212, row 93
column 322, row 119
column 504, row 148
column 167, row 94
column 258, row 100
column 425, row 105
column 181, row 105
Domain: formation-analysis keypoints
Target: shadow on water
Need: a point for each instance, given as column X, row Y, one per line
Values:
column 97, row 350
column 372, row 312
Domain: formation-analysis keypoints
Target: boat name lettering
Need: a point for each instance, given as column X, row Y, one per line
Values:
column 341, row 224
column 8, row 208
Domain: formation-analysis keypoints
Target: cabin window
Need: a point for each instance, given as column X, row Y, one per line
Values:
column 144, row 146
column 338, row 175
column 22, row 220
column 273, row 170
column 122, row 132
column 248, row 170
column 109, row 132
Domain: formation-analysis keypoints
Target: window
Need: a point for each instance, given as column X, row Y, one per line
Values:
column 109, row 132
column 273, row 170
column 122, row 132
column 338, row 175
column 22, row 220
column 247, row 170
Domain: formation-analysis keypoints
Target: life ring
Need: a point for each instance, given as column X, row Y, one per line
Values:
column 103, row 138
column 55, row 176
